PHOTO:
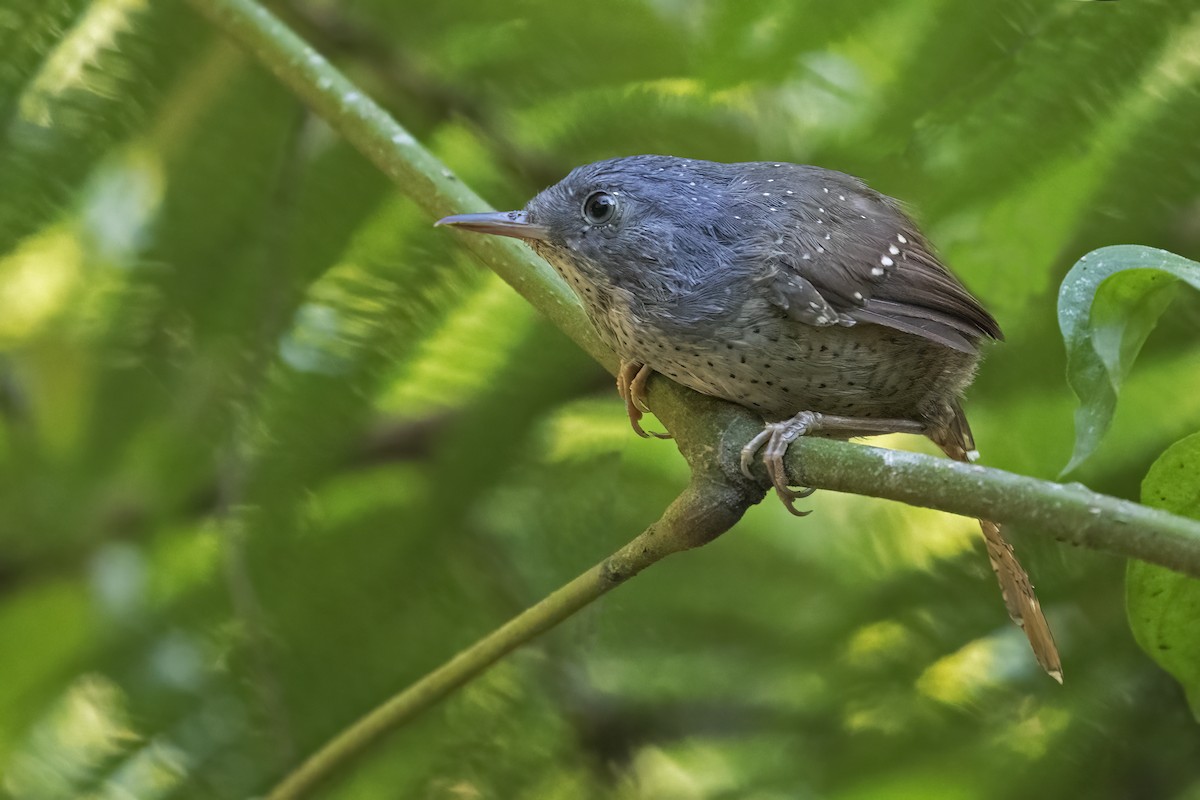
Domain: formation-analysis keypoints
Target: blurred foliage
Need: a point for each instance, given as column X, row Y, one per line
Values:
column 271, row 447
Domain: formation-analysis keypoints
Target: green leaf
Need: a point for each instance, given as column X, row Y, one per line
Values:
column 1107, row 306
column 1163, row 605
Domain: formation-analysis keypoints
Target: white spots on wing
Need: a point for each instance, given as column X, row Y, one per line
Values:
column 887, row 262
column 820, row 222
column 841, row 197
column 779, row 165
column 827, row 237
column 806, row 257
column 822, row 320
column 825, row 189
column 773, row 208
column 766, row 194
column 770, row 180
column 858, row 296
column 735, row 216
column 814, row 306
column 900, row 238
column 693, row 183
column 893, row 249
column 820, row 210
column 877, row 271
column 820, row 249
column 789, row 191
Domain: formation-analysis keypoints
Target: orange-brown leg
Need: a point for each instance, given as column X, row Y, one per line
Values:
column 631, row 385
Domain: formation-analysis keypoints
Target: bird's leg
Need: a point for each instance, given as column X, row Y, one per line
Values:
column 776, row 437
column 631, row 385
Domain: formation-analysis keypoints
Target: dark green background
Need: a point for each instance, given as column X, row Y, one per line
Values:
column 271, row 447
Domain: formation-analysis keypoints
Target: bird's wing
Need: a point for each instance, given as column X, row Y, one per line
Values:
column 853, row 256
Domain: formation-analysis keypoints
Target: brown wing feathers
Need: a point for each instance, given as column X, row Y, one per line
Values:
column 863, row 256
column 919, row 287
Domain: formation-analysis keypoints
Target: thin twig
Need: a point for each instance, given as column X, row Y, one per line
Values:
column 398, row 155
column 701, row 513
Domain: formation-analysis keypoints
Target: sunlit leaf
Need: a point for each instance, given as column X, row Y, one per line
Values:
column 1107, row 306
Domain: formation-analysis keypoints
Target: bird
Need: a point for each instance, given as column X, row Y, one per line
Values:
column 793, row 290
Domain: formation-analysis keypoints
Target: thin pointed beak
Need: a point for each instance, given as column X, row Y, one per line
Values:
column 498, row 223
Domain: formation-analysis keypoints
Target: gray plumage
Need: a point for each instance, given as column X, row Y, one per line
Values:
column 793, row 290
column 780, row 287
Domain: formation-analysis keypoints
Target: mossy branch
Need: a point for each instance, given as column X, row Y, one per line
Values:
column 709, row 433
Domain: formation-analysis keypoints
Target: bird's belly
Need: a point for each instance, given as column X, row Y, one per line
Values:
column 779, row 368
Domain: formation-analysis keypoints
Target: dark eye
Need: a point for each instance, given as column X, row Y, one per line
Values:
column 599, row 207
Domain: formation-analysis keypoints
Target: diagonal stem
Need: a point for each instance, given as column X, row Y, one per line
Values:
column 701, row 513
column 424, row 178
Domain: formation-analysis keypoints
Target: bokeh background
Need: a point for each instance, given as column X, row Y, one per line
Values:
column 271, row 447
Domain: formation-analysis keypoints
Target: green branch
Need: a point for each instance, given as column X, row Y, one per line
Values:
column 709, row 433
column 702, row 512
column 398, row 155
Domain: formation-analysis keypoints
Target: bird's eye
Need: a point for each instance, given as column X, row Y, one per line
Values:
column 599, row 207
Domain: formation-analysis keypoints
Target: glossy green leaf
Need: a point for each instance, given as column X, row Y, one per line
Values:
column 1108, row 304
column 1164, row 606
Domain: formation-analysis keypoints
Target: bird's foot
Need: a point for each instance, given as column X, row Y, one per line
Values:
column 776, row 437
column 774, row 441
column 631, row 385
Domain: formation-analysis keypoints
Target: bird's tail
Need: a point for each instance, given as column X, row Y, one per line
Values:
column 956, row 441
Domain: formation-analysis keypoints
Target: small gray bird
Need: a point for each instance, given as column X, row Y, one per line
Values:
column 792, row 290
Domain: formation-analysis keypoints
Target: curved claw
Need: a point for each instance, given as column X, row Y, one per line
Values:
column 637, row 427
column 773, row 441
column 789, row 495
column 631, row 385
column 645, row 434
column 751, row 450
column 790, row 504
column 637, row 387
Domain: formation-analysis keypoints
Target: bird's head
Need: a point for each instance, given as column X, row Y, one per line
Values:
column 649, row 224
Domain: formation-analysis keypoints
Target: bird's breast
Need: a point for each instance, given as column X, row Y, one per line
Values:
column 757, row 358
